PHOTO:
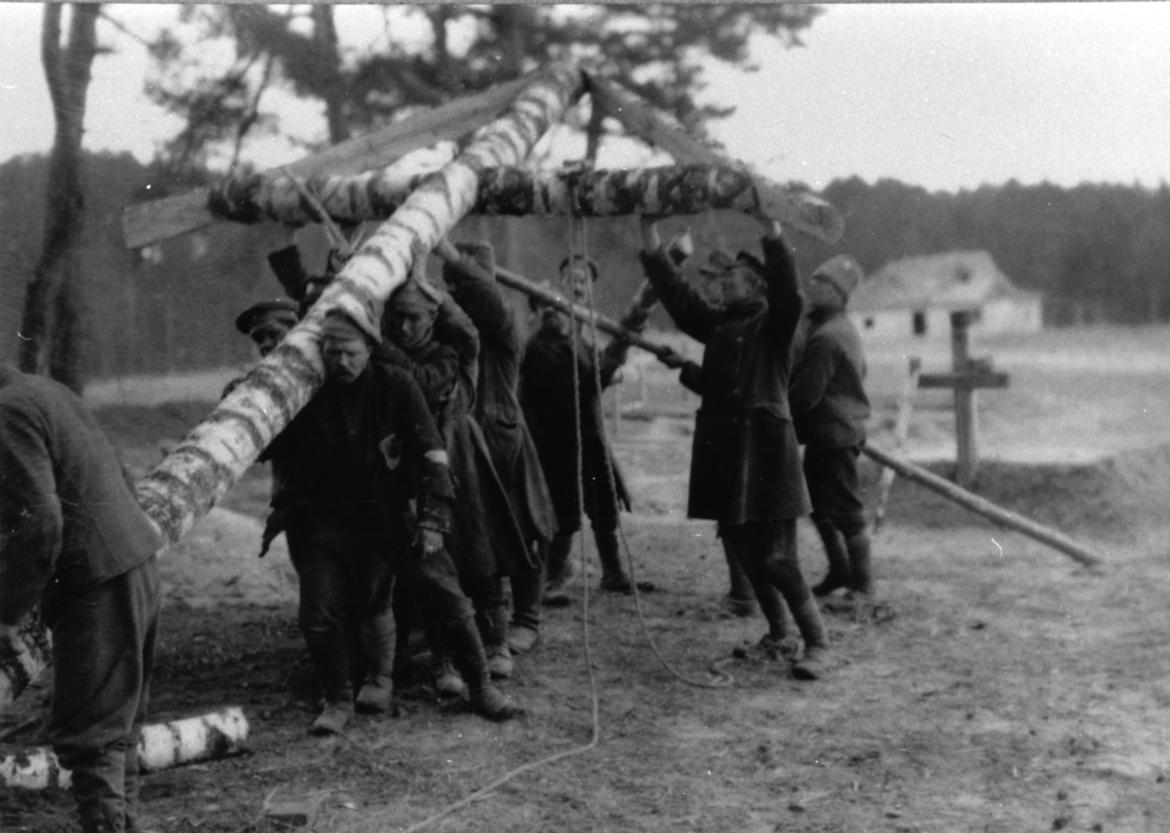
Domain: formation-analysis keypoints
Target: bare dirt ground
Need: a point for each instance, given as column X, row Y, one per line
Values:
column 1011, row 690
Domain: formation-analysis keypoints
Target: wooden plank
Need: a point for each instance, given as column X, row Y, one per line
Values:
column 804, row 212
column 964, row 380
column 985, row 508
column 151, row 222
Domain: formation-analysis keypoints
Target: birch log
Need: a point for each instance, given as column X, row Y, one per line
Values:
column 217, row 451
column 161, row 746
column 19, row 669
column 513, row 192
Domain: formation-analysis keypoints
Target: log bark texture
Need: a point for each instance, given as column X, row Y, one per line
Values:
column 512, row 192
column 217, row 451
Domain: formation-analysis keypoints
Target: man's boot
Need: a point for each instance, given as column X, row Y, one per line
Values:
column 527, row 590
column 330, row 655
column 818, row 660
column 741, row 597
column 860, row 569
column 467, row 651
column 100, row 807
column 379, row 633
column 835, row 552
column 493, row 627
column 613, row 574
column 558, row 571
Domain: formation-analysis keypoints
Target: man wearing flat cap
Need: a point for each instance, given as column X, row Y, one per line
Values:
column 830, row 407
column 745, row 459
column 368, row 447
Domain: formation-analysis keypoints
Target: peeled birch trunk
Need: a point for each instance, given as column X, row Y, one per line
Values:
column 669, row 190
column 205, row 464
column 217, row 451
column 162, row 746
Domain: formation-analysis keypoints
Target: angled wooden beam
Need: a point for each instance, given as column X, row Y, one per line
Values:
column 151, row 222
column 218, row 450
column 802, row 211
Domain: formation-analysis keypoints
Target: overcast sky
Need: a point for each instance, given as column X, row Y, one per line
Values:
column 946, row 96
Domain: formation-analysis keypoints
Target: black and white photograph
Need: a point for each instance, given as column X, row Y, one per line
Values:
column 596, row 418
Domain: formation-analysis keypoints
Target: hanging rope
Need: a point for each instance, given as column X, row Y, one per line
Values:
column 721, row 678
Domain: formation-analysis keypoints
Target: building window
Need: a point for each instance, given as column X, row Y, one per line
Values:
column 919, row 322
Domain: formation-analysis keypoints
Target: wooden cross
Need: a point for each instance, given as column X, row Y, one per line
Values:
column 967, row 375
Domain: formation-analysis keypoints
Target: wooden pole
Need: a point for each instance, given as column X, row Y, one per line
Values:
column 985, row 508
column 966, row 427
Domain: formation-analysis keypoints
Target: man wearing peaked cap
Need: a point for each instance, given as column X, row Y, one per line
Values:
column 268, row 322
column 830, row 407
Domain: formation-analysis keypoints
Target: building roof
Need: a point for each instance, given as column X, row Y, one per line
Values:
column 950, row 280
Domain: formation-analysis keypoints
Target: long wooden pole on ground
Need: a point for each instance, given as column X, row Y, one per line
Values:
column 972, row 502
column 221, row 448
column 985, row 508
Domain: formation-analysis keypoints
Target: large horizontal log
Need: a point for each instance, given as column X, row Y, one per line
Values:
column 985, row 508
column 670, row 190
column 792, row 207
column 18, row 670
column 161, row 746
column 151, row 222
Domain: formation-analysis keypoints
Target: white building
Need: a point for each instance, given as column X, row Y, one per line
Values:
column 916, row 295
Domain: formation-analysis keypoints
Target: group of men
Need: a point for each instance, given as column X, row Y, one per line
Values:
column 445, row 457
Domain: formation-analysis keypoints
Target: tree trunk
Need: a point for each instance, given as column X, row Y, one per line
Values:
column 512, row 192
column 218, row 450
column 51, row 323
column 325, row 40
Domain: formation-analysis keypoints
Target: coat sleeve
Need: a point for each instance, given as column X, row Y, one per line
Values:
column 690, row 312
column 476, row 291
column 785, row 301
column 691, row 377
column 811, row 376
column 436, row 493
column 31, row 521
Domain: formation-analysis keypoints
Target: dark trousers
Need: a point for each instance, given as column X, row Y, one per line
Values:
column 834, row 487
column 347, row 573
column 344, row 613
column 103, row 660
column 767, row 550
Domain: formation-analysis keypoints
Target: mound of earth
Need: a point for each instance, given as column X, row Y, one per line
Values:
column 216, row 564
column 1111, row 498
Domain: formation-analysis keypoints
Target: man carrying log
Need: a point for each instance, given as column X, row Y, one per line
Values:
column 365, row 446
column 485, row 541
column 829, row 408
column 73, row 538
column 745, row 463
column 554, row 408
column 469, row 272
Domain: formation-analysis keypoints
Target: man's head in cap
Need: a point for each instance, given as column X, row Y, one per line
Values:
column 735, row 279
column 267, row 323
column 577, row 272
column 346, row 343
column 833, row 282
column 411, row 313
column 545, row 315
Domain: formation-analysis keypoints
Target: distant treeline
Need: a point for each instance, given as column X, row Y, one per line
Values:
column 1098, row 252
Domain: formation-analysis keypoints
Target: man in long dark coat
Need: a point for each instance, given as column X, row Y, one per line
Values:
column 486, row 541
column 73, row 538
column 556, row 399
column 829, row 406
column 745, row 461
column 469, row 272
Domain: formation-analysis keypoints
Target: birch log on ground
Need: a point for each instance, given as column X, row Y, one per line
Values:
column 219, row 450
column 513, row 192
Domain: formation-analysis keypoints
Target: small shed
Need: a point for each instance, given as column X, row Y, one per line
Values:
column 914, row 297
